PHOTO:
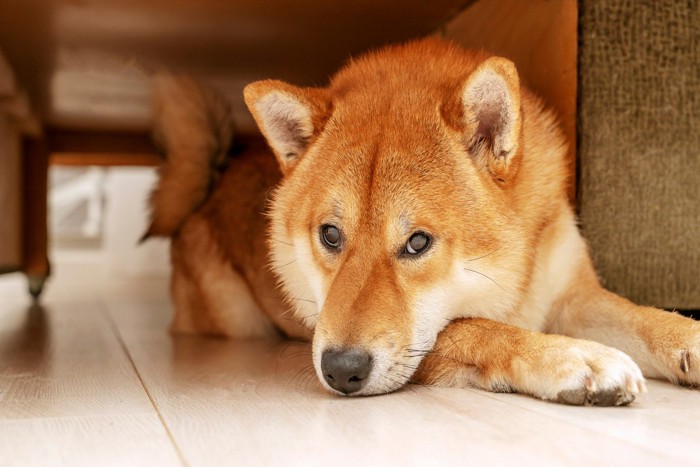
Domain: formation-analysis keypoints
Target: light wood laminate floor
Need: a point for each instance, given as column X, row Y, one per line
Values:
column 93, row 378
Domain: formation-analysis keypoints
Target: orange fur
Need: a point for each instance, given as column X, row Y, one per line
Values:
column 422, row 138
column 195, row 128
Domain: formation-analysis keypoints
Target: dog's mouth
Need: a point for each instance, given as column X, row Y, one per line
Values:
column 358, row 372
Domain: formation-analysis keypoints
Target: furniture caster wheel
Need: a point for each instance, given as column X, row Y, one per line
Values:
column 36, row 285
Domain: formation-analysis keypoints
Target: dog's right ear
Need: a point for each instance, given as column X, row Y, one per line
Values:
column 289, row 117
column 487, row 111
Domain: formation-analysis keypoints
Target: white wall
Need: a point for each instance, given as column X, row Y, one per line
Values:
column 126, row 214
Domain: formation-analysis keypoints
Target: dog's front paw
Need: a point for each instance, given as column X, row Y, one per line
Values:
column 588, row 373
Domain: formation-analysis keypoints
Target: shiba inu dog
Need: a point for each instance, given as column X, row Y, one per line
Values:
column 413, row 223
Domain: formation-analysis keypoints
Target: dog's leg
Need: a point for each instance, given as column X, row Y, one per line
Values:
column 498, row 357
column 209, row 296
column 663, row 344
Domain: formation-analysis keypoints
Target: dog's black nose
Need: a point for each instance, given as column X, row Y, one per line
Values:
column 346, row 370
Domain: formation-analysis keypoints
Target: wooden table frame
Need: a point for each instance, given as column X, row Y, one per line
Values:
column 66, row 147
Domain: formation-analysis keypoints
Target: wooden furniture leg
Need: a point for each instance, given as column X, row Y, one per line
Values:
column 35, row 199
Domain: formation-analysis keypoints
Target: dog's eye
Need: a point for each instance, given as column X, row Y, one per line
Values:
column 330, row 235
column 418, row 243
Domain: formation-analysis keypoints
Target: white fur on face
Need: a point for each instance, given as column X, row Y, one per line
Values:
column 314, row 278
column 300, row 279
column 471, row 291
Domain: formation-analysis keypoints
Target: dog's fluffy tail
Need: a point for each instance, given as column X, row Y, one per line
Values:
column 193, row 125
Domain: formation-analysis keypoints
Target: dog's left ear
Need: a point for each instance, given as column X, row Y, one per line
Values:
column 491, row 116
column 288, row 116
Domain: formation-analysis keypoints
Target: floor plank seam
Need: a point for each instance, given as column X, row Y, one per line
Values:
column 122, row 343
column 87, row 416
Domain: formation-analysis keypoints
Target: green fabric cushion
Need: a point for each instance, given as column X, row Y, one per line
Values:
column 639, row 147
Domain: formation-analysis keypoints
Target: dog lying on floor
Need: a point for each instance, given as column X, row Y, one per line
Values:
column 416, row 222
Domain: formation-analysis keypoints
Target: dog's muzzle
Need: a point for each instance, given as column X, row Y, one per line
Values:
column 346, row 370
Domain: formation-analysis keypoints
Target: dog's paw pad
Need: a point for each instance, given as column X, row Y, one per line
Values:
column 573, row 396
column 604, row 398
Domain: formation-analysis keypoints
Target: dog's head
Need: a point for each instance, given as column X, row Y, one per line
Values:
column 394, row 215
